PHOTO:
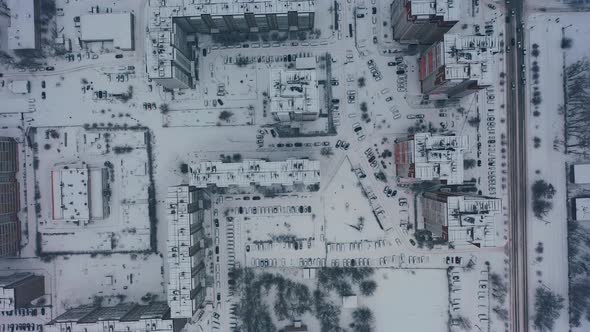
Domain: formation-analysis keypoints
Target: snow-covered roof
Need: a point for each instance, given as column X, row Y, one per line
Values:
column 22, row 33
column 473, row 219
column 439, row 157
column 235, row 7
column 448, row 10
column 122, row 317
column 582, row 208
column 305, row 63
column 117, row 27
column 259, row 172
column 183, row 248
column 70, row 194
column 582, row 173
column 468, row 57
column 20, row 87
column 293, row 92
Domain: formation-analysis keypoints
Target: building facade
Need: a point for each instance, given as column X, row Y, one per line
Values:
column 424, row 157
column 19, row 289
column 458, row 65
column 122, row 317
column 9, row 198
column 188, row 208
column 462, row 219
column 423, row 21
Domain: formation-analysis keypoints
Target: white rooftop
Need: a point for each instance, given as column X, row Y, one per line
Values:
column 473, row 219
column 117, row 27
column 19, row 87
column 22, row 32
column 583, row 208
column 70, row 194
column 176, row 8
column 439, row 157
column 293, row 91
column 257, row 172
column 449, row 10
column 179, row 244
column 582, row 173
column 468, row 57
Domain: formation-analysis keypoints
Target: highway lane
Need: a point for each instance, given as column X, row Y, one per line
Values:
column 517, row 168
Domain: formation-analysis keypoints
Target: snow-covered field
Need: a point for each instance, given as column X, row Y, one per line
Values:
column 547, row 161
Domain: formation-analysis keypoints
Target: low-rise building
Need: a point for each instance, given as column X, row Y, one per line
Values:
column 582, row 209
column 424, row 157
column 122, row 317
column 461, row 219
column 9, row 198
column 17, row 290
column 423, row 21
column 23, row 32
column 294, row 95
column 581, row 173
column 77, row 194
column 458, row 65
column 115, row 27
column 187, row 211
column 256, row 172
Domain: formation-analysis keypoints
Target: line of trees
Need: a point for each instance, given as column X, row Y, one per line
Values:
column 577, row 107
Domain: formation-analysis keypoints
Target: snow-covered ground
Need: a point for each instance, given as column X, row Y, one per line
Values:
column 547, row 161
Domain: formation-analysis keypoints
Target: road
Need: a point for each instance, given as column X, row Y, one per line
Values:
column 517, row 169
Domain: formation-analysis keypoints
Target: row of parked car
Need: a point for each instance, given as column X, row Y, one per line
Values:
column 287, row 209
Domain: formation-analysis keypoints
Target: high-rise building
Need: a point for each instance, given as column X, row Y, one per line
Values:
column 173, row 26
column 462, row 219
column 9, row 198
column 17, row 290
column 122, row 317
column 458, row 65
column 423, row 21
column 188, row 210
column 424, row 157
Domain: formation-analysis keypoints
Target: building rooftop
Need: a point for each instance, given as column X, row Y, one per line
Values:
column 70, row 194
column 179, row 246
column 22, row 32
column 120, row 312
column 439, row 157
column 117, row 27
column 182, row 8
column 448, row 10
column 582, row 208
column 469, row 57
column 473, row 219
column 582, row 173
column 257, row 172
column 293, row 91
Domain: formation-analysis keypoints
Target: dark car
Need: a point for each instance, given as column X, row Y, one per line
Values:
column 217, row 250
column 204, row 52
column 216, row 221
column 289, row 145
column 374, row 10
column 119, row 56
column 298, row 144
column 43, row 95
column 247, row 248
column 43, row 84
column 49, row 68
column 400, row 72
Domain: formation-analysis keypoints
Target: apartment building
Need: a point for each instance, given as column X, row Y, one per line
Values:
column 423, row 21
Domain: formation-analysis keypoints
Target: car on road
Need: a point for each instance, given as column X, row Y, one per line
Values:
column 118, row 56
column 419, row 116
column 43, row 95
column 50, row 68
column 388, row 99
